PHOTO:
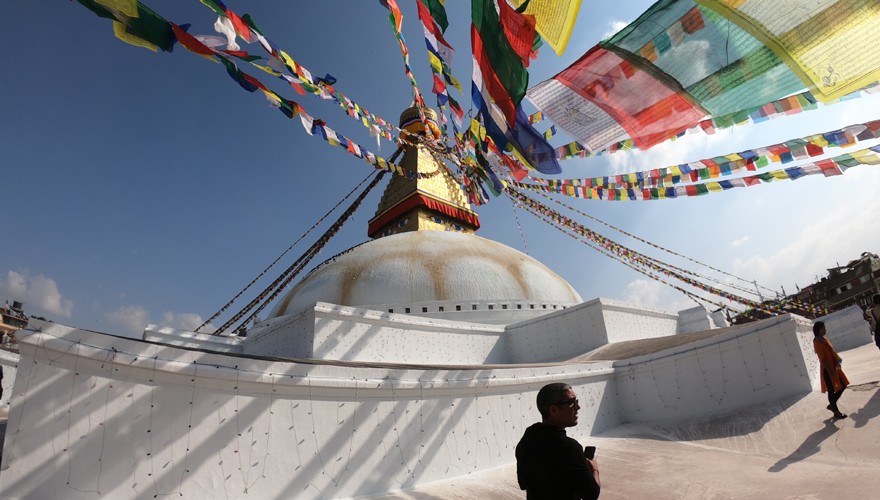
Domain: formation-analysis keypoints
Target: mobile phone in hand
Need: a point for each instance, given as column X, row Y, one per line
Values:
column 589, row 452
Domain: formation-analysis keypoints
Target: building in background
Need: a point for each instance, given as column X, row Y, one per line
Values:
column 13, row 318
column 854, row 283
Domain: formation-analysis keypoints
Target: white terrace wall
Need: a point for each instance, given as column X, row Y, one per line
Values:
column 477, row 311
column 751, row 364
column 329, row 331
column 847, row 328
column 192, row 340
column 288, row 336
column 356, row 334
column 584, row 327
column 9, row 362
column 94, row 415
column 695, row 319
column 628, row 322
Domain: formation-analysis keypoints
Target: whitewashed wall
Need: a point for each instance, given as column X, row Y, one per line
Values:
column 95, row 415
column 625, row 322
column 9, row 361
column 192, row 340
column 131, row 419
column 558, row 335
column 290, row 336
column 747, row 365
column 356, row 334
column 329, row 331
column 499, row 312
column 847, row 328
column 584, row 327
column 695, row 319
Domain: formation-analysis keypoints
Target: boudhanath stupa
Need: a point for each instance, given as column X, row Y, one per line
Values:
column 412, row 358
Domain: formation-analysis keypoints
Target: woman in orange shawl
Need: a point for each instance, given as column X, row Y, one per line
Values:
column 834, row 381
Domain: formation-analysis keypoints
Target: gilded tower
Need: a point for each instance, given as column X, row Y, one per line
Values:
column 427, row 197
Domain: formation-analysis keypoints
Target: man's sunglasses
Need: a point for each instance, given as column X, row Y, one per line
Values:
column 571, row 403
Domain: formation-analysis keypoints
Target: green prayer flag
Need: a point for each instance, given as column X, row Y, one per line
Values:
column 438, row 12
column 502, row 57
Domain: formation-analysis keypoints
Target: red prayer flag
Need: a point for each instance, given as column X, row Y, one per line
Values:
column 190, row 42
column 519, row 29
column 240, row 26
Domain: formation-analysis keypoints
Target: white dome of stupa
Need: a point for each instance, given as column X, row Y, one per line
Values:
column 426, row 266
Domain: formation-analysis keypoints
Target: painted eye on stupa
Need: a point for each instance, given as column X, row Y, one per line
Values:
column 402, row 222
column 438, row 220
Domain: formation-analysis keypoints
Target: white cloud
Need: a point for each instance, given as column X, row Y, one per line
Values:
column 690, row 147
column 130, row 320
column 615, row 27
column 642, row 292
column 837, row 235
column 185, row 321
column 651, row 293
column 39, row 294
column 739, row 241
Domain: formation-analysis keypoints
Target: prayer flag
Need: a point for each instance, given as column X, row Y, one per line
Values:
column 554, row 20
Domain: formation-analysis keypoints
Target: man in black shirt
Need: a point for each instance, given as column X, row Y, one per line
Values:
column 549, row 464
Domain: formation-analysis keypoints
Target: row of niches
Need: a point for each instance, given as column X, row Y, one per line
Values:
column 401, row 225
column 475, row 307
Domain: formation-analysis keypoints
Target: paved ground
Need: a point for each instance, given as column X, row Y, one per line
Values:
column 786, row 450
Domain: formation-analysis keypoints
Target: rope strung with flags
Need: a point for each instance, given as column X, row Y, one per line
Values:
column 276, row 287
column 623, row 252
column 270, row 266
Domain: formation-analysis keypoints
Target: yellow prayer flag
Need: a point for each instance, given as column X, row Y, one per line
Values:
column 554, row 20
column 265, row 69
column 453, row 81
column 779, row 174
column 520, row 158
column 828, row 44
column 866, row 157
column 436, row 64
column 288, row 61
column 714, row 186
column 119, row 31
column 819, row 140
column 126, row 7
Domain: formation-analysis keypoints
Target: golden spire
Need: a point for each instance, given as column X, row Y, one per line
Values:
column 427, row 198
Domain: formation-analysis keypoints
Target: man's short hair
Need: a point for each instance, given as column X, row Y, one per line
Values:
column 876, row 298
column 550, row 394
column 816, row 326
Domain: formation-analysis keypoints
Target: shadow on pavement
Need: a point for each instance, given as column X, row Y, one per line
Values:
column 809, row 447
column 871, row 408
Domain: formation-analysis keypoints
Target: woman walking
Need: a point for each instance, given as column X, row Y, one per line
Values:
column 834, row 381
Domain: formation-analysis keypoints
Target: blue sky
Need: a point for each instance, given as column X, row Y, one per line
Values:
column 143, row 187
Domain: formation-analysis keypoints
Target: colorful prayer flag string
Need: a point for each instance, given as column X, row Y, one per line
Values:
column 830, row 167
column 628, row 254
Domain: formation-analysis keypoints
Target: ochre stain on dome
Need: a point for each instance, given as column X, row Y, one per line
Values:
column 514, row 269
column 427, row 266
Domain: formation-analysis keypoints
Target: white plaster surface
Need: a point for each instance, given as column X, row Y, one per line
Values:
column 131, row 419
column 754, row 363
column 9, row 361
column 786, row 449
column 427, row 266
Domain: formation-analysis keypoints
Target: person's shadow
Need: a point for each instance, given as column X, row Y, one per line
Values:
column 809, row 447
column 871, row 408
